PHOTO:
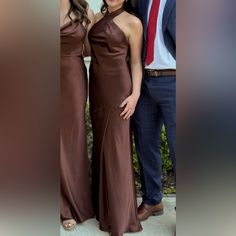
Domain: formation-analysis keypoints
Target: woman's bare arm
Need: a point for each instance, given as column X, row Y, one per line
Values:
column 135, row 41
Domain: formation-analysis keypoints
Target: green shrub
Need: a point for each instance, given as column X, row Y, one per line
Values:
column 167, row 166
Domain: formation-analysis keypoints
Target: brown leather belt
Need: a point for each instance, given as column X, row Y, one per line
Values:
column 158, row 73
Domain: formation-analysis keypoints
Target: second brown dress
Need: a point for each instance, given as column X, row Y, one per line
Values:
column 110, row 83
column 76, row 200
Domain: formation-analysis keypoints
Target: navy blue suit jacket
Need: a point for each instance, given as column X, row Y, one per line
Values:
column 168, row 23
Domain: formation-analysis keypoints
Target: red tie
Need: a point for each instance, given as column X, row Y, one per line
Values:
column 151, row 31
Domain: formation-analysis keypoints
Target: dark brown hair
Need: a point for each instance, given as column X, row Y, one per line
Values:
column 79, row 8
column 127, row 6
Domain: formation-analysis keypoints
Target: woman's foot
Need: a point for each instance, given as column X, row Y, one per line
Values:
column 69, row 224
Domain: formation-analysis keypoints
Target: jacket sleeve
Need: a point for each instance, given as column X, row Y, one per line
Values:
column 171, row 26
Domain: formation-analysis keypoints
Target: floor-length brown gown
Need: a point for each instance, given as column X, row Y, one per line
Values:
column 76, row 200
column 110, row 83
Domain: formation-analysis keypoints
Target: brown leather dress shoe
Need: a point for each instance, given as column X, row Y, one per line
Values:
column 144, row 210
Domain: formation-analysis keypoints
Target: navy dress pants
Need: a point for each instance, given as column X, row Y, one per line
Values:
column 156, row 107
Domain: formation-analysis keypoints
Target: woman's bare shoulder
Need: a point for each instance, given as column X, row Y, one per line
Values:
column 133, row 21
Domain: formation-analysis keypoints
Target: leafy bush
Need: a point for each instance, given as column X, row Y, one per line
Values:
column 167, row 166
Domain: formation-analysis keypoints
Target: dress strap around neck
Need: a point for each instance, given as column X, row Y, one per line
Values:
column 115, row 13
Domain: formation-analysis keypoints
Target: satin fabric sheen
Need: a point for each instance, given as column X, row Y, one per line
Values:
column 110, row 83
column 76, row 200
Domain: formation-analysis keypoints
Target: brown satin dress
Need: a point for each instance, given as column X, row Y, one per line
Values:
column 110, row 83
column 76, row 200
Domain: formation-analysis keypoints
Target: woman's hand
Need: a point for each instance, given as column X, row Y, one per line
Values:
column 129, row 105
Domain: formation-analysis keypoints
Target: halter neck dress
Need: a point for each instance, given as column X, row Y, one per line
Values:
column 110, row 83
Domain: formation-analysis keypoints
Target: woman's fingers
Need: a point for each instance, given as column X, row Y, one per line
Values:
column 128, row 114
column 128, row 110
column 131, row 113
column 124, row 111
column 124, row 102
